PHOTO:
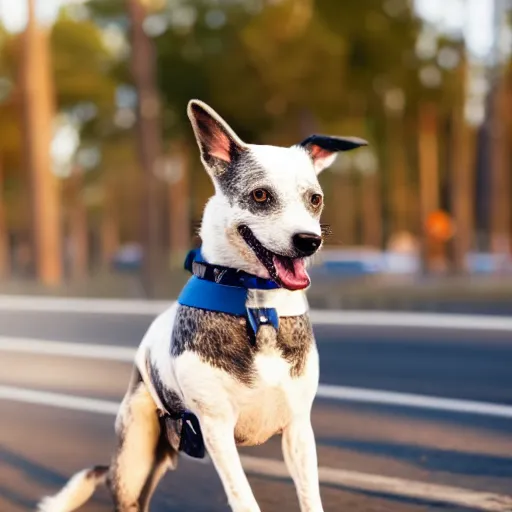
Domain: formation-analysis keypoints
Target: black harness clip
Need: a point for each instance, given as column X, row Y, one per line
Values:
column 184, row 434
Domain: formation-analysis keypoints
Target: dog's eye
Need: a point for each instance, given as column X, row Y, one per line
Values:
column 260, row 195
column 316, row 200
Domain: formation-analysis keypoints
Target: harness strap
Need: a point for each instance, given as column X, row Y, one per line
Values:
column 182, row 427
column 224, row 290
column 221, row 289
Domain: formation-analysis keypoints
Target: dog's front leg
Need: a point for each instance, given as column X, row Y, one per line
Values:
column 299, row 452
column 220, row 442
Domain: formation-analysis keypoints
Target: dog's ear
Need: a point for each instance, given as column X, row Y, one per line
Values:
column 217, row 142
column 323, row 149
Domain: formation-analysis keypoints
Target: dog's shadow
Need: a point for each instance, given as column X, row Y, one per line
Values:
column 16, row 498
column 30, row 470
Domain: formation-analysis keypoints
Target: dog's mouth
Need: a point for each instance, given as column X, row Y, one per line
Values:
column 288, row 272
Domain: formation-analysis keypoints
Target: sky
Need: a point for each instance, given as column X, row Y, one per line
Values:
column 14, row 12
column 474, row 17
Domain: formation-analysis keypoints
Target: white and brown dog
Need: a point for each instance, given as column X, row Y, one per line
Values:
column 234, row 361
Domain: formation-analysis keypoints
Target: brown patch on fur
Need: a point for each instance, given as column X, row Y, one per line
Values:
column 165, row 459
column 97, row 472
column 217, row 338
column 223, row 341
column 294, row 339
column 138, row 433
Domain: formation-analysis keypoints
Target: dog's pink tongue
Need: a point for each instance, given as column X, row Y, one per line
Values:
column 292, row 273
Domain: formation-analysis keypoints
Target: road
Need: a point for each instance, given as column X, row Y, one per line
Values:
column 465, row 455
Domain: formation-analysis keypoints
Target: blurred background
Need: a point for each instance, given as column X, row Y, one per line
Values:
column 101, row 194
column 101, row 185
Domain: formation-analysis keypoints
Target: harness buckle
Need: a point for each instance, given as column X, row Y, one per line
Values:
column 262, row 316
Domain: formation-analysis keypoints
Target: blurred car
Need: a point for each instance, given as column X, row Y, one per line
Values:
column 488, row 263
column 361, row 261
column 128, row 258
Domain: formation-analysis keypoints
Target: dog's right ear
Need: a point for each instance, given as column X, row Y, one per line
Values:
column 217, row 142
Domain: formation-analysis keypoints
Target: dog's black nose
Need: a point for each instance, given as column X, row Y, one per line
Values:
column 306, row 243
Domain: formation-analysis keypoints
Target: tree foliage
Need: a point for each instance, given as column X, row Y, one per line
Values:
column 277, row 70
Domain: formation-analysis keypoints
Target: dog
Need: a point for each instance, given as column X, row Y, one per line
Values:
column 234, row 361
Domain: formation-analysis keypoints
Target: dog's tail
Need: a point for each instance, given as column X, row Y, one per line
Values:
column 76, row 492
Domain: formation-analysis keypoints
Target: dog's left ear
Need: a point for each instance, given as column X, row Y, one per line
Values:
column 217, row 142
column 323, row 149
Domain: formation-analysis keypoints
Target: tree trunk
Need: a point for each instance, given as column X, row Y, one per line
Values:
column 371, row 211
column 399, row 194
column 500, row 167
column 37, row 100
column 4, row 234
column 429, row 181
column 179, row 206
column 109, row 226
column 149, row 140
column 344, row 231
column 463, row 178
column 79, row 233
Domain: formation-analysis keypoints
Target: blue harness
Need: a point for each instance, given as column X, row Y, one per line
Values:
column 224, row 290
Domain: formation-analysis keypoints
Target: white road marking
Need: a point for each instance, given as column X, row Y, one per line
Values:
column 413, row 320
column 376, row 396
column 389, row 485
column 66, row 349
column 269, row 467
column 78, row 305
column 382, row 319
column 62, row 401
column 326, row 391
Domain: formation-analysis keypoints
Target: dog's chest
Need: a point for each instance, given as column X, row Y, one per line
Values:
column 264, row 407
column 265, row 371
column 227, row 342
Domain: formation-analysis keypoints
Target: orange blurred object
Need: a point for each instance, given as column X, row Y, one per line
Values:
column 439, row 225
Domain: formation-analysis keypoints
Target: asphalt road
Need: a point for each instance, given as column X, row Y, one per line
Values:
column 41, row 445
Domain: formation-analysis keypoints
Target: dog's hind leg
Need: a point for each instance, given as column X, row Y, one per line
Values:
column 166, row 458
column 134, row 460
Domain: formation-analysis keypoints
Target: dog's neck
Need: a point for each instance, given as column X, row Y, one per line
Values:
column 222, row 247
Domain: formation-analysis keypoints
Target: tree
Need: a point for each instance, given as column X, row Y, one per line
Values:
column 36, row 88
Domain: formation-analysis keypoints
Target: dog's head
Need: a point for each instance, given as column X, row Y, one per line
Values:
column 265, row 215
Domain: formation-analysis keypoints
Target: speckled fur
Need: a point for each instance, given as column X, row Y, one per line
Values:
column 294, row 340
column 225, row 342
